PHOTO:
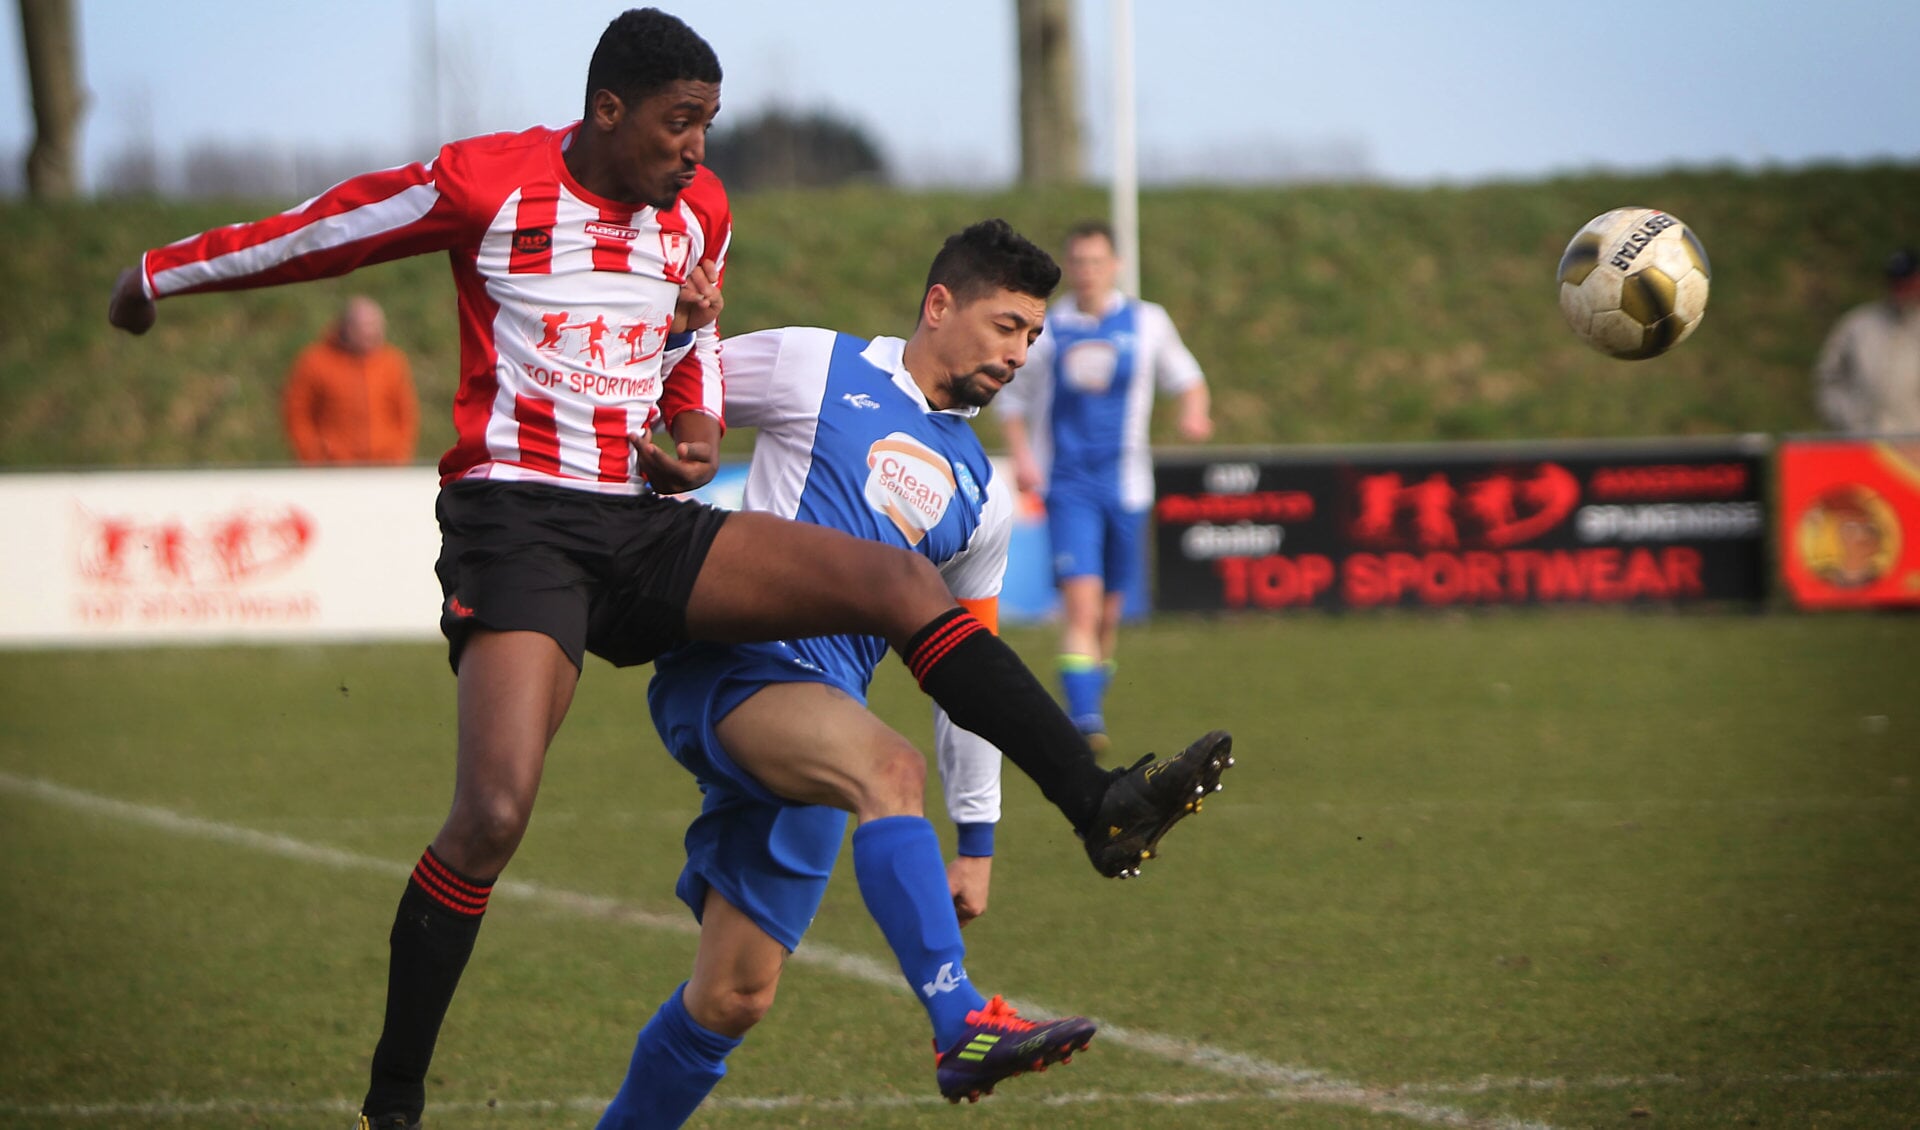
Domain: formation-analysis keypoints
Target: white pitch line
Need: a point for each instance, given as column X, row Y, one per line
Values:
column 593, row 1103
column 1299, row 1084
column 1488, row 1084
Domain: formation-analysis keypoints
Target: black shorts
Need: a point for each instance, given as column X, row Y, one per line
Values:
column 604, row 573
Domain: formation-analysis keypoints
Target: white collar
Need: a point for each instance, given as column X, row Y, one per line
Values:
column 888, row 354
column 1070, row 306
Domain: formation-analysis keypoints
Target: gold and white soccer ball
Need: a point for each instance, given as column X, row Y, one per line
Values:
column 1633, row 283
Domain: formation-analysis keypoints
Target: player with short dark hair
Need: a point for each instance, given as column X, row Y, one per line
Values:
column 873, row 438
column 556, row 535
column 641, row 48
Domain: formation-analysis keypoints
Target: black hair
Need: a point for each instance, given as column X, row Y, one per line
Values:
column 1086, row 228
column 991, row 255
column 1902, row 264
column 643, row 51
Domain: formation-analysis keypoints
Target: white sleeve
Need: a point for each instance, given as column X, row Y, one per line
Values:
column 969, row 772
column 969, row 765
column 977, row 572
column 1174, row 368
column 763, row 382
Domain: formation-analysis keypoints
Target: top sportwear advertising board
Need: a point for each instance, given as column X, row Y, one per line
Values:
column 1849, row 532
column 271, row 556
column 1462, row 525
column 167, row 557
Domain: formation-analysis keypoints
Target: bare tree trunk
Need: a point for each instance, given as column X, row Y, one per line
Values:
column 1050, row 151
column 53, row 69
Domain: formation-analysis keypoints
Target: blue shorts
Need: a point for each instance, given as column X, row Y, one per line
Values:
column 767, row 856
column 1096, row 537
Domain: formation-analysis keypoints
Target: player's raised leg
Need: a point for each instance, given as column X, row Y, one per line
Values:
column 769, row 578
column 766, row 578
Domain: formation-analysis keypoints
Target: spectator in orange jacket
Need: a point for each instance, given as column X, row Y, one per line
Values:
column 349, row 396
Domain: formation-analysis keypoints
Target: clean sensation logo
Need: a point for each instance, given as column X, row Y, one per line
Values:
column 910, row 483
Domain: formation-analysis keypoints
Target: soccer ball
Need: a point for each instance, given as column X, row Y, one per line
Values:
column 1633, row 283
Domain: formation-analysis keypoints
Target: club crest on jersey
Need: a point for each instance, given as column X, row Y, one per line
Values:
column 1088, row 366
column 910, row 483
column 675, row 246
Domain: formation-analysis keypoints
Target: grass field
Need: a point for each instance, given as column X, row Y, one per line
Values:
column 1559, row 870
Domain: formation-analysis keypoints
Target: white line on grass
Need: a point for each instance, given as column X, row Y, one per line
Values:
column 1292, row 1083
column 592, row 1103
column 1487, row 1084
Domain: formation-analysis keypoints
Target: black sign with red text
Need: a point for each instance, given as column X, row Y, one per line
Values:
column 1462, row 525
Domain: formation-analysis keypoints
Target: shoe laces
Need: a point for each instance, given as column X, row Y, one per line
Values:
column 999, row 1014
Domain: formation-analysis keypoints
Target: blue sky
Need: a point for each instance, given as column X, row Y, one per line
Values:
column 1411, row 92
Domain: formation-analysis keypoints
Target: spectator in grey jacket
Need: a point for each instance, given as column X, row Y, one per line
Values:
column 1868, row 376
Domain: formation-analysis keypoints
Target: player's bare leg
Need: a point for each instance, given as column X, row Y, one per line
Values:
column 814, row 742
column 1113, row 608
column 681, row 1054
column 514, row 689
column 1081, row 601
column 736, row 970
column 1082, row 676
column 768, row 578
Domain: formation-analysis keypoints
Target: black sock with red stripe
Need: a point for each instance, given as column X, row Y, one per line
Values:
column 985, row 688
column 433, row 933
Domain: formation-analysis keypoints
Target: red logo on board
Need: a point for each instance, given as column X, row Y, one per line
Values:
column 241, row 545
column 1501, row 509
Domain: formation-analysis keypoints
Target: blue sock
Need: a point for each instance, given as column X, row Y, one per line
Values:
column 904, row 882
column 676, row 1063
column 1084, row 682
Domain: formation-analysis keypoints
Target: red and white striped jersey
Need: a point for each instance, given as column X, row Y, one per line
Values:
column 565, row 297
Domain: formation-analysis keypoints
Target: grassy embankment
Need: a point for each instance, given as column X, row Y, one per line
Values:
column 1321, row 313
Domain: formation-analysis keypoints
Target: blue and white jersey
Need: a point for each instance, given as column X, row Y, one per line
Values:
column 848, row 441
column 1086, row 394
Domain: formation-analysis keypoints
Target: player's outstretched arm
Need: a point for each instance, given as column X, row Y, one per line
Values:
column 130, row 308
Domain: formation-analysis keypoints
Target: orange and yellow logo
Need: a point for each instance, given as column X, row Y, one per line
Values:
column 910, row 483
column 1849, row 536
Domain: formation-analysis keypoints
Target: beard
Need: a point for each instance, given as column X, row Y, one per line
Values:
column 973, row 391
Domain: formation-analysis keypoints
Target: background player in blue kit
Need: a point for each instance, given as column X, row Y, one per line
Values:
column 874, row 439
column 1077, row 430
